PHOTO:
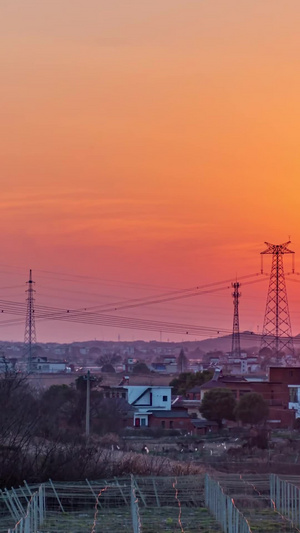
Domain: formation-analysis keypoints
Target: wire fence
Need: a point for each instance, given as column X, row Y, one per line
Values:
column 135, row 513
column 224, row 508
column 133, row 504
column 285, row 498
column 35, row 512
column 232, row 503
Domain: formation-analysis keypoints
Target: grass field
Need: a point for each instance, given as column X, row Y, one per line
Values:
column 153, row 520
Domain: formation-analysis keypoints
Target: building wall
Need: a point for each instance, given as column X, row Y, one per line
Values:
column 57, row 367
column 155, row 397
column 275, row 392
column 49, row 367
column 237, row 389
column 171, row 423
column 281, row 418
column 140, row 420
column 288, row 375
column 193, row 395
column 115, row 392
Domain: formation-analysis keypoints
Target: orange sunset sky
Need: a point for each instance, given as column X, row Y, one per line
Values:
column 147, row 146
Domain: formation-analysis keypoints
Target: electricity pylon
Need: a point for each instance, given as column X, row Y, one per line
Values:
column 236, row 345
column 30, row 332
column 277, row 331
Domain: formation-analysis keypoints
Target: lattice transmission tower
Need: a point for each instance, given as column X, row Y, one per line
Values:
column 277, row 331
column 236, row 345
column 30, row 332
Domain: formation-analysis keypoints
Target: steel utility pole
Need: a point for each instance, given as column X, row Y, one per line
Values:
column 88, row 401
column 277, row 331
column 236, row 345
column 30, row 332
column 88, row 378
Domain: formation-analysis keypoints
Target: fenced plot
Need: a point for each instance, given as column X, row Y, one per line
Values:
column 130, row 505
column 163, row 504
column 251, row 495
column 224, row 509
column 285, row 497
column 187, row 504
column 35, row 513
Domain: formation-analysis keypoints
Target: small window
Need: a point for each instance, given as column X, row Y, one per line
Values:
column 171, row 424
column 123, row 394
column 165, row 398
column 163, row 424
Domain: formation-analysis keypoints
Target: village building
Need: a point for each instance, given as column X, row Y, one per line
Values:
column 281, row 391
column 144, row 399
column 42, row 364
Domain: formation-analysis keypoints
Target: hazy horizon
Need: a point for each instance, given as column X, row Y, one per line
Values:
column 147, row 147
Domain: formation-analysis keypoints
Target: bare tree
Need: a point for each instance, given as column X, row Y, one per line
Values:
column 108, row 359
column 19, row 418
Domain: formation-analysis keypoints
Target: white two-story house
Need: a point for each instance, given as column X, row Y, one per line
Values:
column 145, row 399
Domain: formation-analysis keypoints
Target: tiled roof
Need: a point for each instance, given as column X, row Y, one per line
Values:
column 213, row 385
column 170, row 414
column 197, row 388
column 231, row 379
column 222, row 382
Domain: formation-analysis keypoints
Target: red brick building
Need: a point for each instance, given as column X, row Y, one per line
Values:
column 275, row 391
column 173, row 419
column 238, row 386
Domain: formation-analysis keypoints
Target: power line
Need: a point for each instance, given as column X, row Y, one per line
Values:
column 90, row 316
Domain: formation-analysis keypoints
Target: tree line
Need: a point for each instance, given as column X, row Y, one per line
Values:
column 220, row 404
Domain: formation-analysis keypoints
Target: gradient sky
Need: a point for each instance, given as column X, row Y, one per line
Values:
column 147, row 145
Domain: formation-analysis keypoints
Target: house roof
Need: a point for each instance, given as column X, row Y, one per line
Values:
column 141, row 395
column 186, row 404
column 213, row 385
column 222, row 382
column 198, row 423
column 159, row 366
column 169, row 414
column 197, row 388
column 219, row 381
column 231, row 379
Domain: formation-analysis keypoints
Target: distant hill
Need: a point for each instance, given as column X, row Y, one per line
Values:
column 139, row 348
column 248, row 340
